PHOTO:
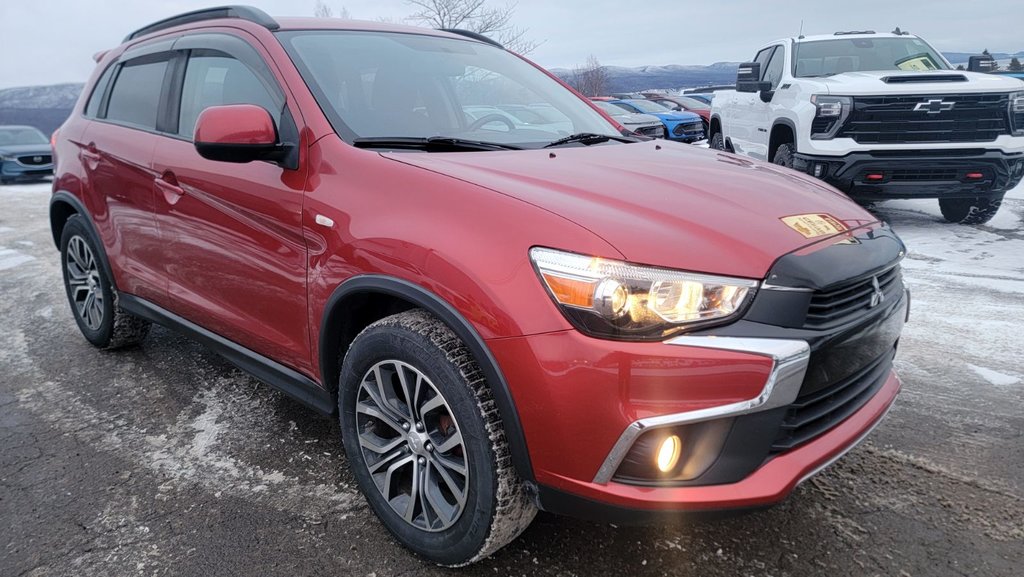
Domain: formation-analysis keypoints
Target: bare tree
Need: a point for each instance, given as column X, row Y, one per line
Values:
column 475, row 16
column 322, row 10
column 589, row 79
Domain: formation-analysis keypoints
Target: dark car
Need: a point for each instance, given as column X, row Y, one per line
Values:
column 503, row 319
column 25, row 154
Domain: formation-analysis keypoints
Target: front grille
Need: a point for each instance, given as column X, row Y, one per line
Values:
column 894, row 120
column 652, row 131
column 836, row 306
column 35, row 159
column 816, row 412
column 695, row 129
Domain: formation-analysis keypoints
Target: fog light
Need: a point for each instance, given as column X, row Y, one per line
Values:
column 819, row 169
column 668, row 453
column 875, row 176
column 975, row 175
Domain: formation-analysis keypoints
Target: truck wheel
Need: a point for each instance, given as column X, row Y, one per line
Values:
column 978, row 210
column 91, row 294
column 426, row 442
column 718, row 141
column 784, row 155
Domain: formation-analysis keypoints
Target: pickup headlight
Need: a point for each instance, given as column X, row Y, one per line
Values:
column 620, row 300
column 830, row 112
column 1017, row 113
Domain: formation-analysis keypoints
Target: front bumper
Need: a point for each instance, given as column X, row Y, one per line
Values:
column 917, row 174
column 12, row 170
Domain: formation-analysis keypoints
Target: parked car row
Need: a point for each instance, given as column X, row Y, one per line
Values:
column 679, row 124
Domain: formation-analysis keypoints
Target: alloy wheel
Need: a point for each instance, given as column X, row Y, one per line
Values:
column 84, row 282
column 412, row 445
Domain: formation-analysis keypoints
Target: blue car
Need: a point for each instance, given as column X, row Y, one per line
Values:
column 25, row 154
column 680, row 126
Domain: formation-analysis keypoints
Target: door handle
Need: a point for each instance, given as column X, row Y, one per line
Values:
column 90, row 156
column 171, row 191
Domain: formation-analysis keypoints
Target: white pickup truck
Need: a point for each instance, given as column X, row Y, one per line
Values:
column 878, row 116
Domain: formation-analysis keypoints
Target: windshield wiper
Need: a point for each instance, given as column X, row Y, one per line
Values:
column 589, row 138
column 430, row 143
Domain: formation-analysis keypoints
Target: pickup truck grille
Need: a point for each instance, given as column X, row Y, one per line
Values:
column 927, row 118
column 838, row 305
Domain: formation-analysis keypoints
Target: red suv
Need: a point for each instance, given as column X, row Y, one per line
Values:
column 505, row 317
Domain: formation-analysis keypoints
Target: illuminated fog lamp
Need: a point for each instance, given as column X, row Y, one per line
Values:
column 975, row 175
column 875, row 176
column 668, row 453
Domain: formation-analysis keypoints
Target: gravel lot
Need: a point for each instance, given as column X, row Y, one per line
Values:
column 165, row 460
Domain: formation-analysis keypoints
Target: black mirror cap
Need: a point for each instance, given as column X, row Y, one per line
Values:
column 748, row 77
column 242, row 153
column 981, row 63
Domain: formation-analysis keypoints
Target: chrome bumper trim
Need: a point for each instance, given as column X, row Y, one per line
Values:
column 789, row 357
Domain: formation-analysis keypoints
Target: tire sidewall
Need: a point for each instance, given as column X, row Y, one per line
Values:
column 101, row 336
column 717, row 141
column 784, row 156
column 464, row 539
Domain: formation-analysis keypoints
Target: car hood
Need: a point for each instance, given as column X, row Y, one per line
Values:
column 25, row 149
column 660, row 203
column 872, row 83
column 678, row 116
column 634, row 119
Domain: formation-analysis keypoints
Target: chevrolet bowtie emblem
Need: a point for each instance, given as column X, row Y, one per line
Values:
column 934, row 106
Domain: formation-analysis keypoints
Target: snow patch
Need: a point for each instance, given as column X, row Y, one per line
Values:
column 10, row 258
column 994, row 377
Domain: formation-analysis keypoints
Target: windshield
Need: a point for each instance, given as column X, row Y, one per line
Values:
column 647, row 106
column 611, row 109
column 692, row 103
column 21, row 135
column 828, row 57
column 393, row 85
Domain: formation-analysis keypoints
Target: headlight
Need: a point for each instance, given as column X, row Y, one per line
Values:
column 619, row 300
column 7, row 157
column 1017, row 113
column 830, row 113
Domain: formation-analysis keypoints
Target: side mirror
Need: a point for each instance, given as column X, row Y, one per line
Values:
column 238, row 133
column 748, row 78
column 981, row 63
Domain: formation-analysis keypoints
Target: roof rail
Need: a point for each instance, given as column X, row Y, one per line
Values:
column 242, row 12
column 473, row 35
column 848, row 32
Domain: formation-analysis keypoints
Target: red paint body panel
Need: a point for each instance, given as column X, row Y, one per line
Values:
column 720, row 214
column 576, row 394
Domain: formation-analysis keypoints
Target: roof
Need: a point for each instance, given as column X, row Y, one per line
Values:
column 819, row 37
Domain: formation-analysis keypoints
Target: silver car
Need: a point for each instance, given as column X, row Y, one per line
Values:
column 643, row 124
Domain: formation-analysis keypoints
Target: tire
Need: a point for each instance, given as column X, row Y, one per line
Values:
column 717, row 141
column 784, row 155
column 91, row 294
column 978, row 210
column 495, row 508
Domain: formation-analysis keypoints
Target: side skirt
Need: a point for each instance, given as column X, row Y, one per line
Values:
column 291, row 382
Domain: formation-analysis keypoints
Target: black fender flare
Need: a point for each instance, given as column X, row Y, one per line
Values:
column 423, row 298
column 62, row 196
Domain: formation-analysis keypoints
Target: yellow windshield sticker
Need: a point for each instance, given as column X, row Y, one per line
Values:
column 814, row 225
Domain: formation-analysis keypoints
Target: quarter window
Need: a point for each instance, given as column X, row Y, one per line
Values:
column 215, row 79
column 92, row 108
column 135, row 97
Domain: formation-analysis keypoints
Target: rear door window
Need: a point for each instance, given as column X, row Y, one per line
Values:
column 135, row 96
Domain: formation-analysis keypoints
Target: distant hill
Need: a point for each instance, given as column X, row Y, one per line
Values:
column 624, row 79
column 45, row 107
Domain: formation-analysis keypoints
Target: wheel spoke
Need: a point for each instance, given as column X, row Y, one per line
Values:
column 414, row 492
column 434, row 403
column 409, row 401
column 385, row 460
column 385, row 408
column 449, row 464
column 459, row 492
column 450, row 443
column 390, row 474
column 369, row 441
column 376, row 412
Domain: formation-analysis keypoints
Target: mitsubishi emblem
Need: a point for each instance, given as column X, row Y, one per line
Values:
column 934, row 106
column 877, row 297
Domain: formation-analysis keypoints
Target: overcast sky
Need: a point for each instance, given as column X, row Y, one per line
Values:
column 52, row 41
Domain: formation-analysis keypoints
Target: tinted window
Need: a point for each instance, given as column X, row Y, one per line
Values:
column 93, row 107
column 135, row 98
column 773, row 72
column 214, row 79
